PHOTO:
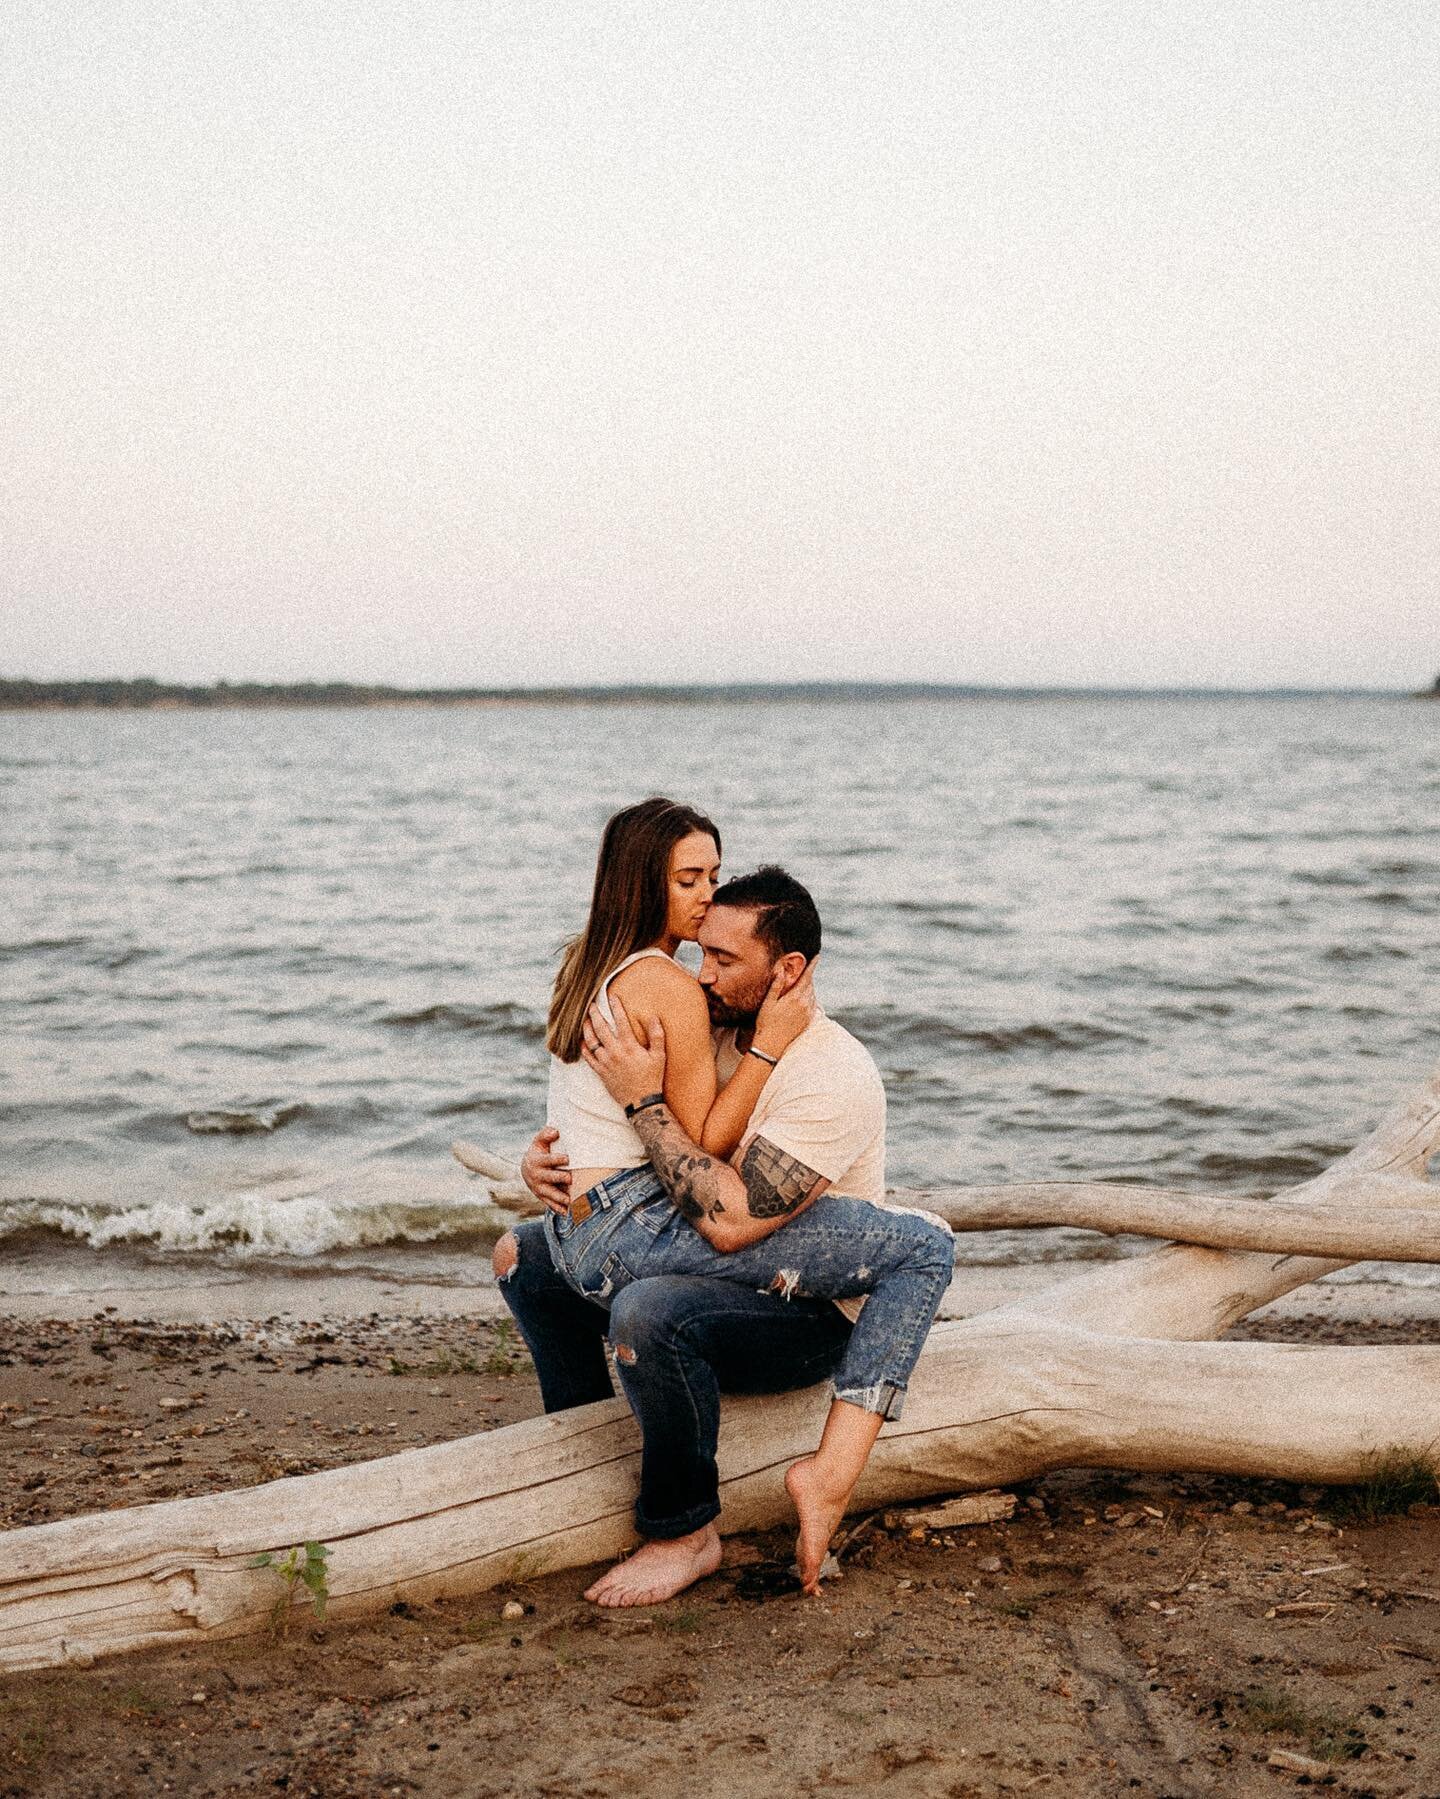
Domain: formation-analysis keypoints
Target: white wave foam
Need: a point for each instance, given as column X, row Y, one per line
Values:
column 370, row 1208
column 244, row 1122
column 252, row 1225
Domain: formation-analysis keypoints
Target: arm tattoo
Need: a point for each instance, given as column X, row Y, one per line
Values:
column 775, row 1184
column 688, row 1175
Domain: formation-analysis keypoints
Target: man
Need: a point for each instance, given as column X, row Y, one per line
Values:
column 682, row 1340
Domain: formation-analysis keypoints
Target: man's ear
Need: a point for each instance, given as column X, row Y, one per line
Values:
column 793, row 965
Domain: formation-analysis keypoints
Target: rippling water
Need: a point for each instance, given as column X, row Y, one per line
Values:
column 258, row 969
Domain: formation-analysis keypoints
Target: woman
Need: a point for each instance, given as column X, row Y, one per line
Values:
column 657, row 869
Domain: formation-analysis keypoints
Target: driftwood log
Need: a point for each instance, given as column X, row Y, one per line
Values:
column 1115, row 1368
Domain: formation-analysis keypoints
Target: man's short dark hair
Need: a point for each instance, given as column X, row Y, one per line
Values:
column 785, row 916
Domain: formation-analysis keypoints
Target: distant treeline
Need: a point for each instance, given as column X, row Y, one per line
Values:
column 145, row 695
column 148, row 695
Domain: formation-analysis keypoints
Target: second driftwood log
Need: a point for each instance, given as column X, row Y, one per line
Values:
column 1381, row 1217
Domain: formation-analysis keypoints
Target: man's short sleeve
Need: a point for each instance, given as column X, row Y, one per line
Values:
column 827, row 1123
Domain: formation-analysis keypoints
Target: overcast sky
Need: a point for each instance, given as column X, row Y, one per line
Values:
column 452, row 342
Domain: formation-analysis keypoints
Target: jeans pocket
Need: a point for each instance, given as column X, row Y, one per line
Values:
column 653, row 1218
column 602, row 1278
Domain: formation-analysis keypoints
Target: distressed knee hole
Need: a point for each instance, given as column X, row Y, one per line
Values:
column 506, row 1258
column 785, row 1283
column 624, row 1353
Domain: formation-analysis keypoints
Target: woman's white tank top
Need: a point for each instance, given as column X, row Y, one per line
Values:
column 594, row 1131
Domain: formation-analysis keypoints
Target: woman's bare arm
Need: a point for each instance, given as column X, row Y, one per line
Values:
column 729, row 1208
column 728, row 1117
column 651, row 989
column 785, row 1015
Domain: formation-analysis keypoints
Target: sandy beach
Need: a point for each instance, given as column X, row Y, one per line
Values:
column 1159, row 1636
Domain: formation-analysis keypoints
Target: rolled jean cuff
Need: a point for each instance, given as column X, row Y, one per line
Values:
column 680, row 1524
column 884, row 1397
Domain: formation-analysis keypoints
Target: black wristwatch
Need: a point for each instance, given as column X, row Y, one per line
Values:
column 650, row 1099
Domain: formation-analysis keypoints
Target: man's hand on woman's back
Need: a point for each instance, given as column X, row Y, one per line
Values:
column 545, row 1170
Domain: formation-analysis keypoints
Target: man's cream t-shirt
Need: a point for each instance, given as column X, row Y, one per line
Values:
column 823, row 1104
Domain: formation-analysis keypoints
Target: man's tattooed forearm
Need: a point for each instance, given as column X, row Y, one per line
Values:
column 687, row 1174
column 775, row 1184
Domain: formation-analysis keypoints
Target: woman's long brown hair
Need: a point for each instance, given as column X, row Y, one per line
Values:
column 627, row 909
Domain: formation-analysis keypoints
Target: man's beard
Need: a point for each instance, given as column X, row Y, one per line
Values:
column 725, row 1017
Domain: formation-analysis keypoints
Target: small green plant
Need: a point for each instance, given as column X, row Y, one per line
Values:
column 1328, row 1736
column 528, row 1565
column 142, row 1704
column 448, row 1362
column 1396, row 1480
column 397, row 1366
column 303, row 1566
column 32, row 1745
column 504, row 1353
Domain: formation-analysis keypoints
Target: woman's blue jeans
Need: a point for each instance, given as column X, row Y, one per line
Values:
column 839, row 1248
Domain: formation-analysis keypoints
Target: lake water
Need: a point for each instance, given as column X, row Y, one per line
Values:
column 257, row 969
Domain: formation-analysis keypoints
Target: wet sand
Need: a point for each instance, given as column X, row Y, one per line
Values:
column 1153, row 1636
column 74, row 1282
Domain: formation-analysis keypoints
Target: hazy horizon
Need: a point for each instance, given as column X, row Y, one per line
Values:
column 467, row 345
column 823, row 688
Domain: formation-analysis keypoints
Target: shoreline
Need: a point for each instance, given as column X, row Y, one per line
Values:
column 82, row 1285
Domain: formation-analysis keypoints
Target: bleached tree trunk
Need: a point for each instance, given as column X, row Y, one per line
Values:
column 1113, row 1368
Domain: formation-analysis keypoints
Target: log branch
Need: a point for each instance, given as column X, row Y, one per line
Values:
column 1390, row 1222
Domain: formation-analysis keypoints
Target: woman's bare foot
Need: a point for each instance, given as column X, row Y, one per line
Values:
column 819, row 1510
column 659, row 1569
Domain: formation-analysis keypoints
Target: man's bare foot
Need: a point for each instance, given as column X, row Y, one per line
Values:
column 819, row 1511
column 659, row 1569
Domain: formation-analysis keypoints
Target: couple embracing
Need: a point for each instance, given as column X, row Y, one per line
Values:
column 716, row 1197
